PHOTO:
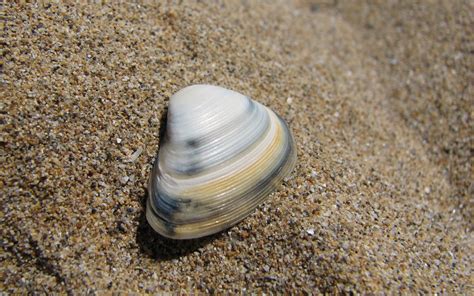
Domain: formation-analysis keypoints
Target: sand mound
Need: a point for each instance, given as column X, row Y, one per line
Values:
column 379, row 99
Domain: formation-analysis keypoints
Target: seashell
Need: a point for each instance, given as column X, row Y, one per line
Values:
column 223, row 153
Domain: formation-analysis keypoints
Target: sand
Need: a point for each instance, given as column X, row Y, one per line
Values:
column 379, row 98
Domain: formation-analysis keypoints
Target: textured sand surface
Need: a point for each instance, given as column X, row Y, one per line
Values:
column 379, row 98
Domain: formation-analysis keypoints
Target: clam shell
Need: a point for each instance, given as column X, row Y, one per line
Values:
column 223, row 153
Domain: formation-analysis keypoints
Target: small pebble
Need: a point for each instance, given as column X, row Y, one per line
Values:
column 124, row 179
column 135, row 155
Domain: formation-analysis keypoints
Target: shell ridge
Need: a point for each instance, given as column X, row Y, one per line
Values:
column 223, row 154
column 210, row 153
column 254, row 190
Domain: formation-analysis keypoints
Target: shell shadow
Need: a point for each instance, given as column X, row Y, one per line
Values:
column 155, row 245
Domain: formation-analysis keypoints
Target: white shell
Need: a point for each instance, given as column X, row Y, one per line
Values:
column 222, row 155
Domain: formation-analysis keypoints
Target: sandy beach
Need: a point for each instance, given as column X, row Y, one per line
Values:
column 379, row 96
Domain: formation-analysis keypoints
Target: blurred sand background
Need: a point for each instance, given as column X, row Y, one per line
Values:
column 379, row 96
